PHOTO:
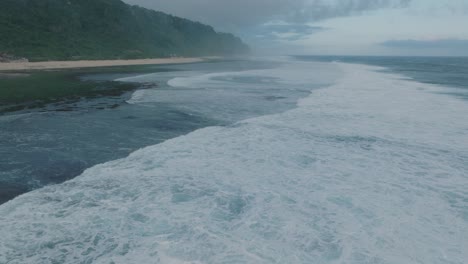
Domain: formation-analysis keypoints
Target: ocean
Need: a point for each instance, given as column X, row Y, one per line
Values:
column 271, row 160
column 51, row 145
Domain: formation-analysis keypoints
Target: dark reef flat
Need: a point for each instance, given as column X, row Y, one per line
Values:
column 64, row 90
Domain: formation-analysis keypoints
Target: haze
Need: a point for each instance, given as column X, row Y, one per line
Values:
column 338, row 27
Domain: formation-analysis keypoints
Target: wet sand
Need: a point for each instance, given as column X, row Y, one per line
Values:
column 47, row 65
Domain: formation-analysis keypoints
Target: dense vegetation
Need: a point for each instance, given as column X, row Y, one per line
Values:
column 103, row 29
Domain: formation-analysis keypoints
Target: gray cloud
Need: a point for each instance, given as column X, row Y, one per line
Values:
column 284, row 31
column 320, row 10
column 237, row 15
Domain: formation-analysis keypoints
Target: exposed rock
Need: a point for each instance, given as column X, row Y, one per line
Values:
column 4, row 57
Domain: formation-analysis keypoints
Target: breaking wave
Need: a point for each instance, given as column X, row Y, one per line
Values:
column 370, row 170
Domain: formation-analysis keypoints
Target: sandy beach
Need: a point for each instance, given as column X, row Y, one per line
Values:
column 47, row 65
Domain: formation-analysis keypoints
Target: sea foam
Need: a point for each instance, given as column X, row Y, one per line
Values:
column 370, row 170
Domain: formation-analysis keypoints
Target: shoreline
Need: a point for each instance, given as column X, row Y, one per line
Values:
column 57, row 65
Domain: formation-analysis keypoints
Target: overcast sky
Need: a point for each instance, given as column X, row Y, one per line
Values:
column 341, row 27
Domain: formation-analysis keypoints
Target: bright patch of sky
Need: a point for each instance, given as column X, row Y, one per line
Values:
column 425, row 27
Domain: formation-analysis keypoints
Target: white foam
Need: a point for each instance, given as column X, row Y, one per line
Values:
column 150, row 77
column 289, row 75
column 370, row 170
column 146, row 95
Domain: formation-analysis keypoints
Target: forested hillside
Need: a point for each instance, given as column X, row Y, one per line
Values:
column 104, row 29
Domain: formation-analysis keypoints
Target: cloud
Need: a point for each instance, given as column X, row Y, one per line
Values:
column 285, row 31
column 268, row 26
column 320, row 10
column 449, row 44
column 236, row 15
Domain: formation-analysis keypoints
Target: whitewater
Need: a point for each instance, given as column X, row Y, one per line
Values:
column 371, row 169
